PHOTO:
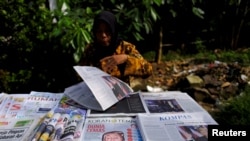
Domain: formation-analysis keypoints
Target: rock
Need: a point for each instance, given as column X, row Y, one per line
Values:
column 194, row 80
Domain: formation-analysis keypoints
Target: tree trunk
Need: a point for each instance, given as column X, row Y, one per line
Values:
column 159, row 51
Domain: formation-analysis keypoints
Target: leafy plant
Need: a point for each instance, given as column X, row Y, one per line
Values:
column 236, row 111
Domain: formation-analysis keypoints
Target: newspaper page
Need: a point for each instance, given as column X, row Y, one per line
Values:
column 6, row 101
column 13, row 129
column 11, row 105
column 107, row 90
column 129, row 106
column 2, row 99
column 111, row 128
column 170, row 102
column 39, row 103
column 175, row 126
column 16, row 105
column 81, row 94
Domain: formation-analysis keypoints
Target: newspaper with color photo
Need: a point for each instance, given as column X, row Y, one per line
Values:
column 111, row 128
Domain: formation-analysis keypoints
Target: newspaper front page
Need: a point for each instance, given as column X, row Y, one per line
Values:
column 175, row 126
column 106, row 89
column 111, row 128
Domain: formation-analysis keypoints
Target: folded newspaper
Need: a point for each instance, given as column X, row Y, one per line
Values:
column 99, row 90
column 175, row 126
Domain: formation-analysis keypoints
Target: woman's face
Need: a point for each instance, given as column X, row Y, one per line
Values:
column 103, row 34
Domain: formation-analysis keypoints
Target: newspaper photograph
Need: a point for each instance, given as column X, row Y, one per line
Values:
column 106, row 89
column 170, row 102
column 111, row 128
column 174, row 126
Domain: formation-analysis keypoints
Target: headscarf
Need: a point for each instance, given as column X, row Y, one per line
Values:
column 110, row 19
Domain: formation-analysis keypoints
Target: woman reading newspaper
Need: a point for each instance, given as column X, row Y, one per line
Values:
column 112, row 54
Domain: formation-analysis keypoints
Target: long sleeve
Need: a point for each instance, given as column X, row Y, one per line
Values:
column 135, row 65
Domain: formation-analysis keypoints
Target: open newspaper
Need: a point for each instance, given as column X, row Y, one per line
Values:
column 110, row 129
column 175, row 126
column 99, row 90
column 151, row 103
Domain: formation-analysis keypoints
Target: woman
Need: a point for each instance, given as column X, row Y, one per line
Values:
column 113, row 55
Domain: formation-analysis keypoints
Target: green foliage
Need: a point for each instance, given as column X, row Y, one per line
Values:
column 236, row 111
column 136, row 17
column 234, row 56
column 74, row 28
column 30, row 59
column 11, row 82
column 172, row 55
column 149, row 55
column 209, row 55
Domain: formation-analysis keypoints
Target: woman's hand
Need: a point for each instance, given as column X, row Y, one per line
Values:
column 110, row 62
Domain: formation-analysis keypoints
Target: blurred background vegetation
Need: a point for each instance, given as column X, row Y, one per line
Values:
column 41, row 41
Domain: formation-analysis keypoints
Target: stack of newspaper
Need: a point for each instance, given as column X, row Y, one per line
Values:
column 21, row 113
column 39, row 116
